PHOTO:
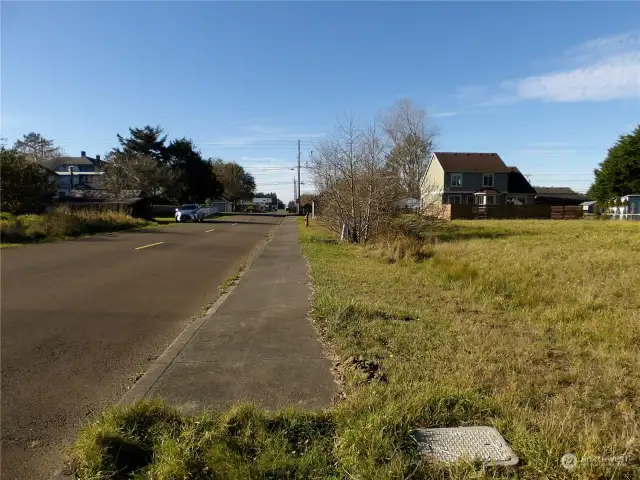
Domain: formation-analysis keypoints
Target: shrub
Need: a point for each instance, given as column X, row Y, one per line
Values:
column 12, row 231
column 406, row 248
column 64, row 222
column 26, row 186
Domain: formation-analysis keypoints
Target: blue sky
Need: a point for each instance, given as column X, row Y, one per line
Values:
column 548, row 85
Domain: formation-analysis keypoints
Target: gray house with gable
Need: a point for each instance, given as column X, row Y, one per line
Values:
column 473, row 178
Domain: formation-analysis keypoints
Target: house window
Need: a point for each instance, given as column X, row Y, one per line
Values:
column 492, row 200
column 456, row 179
column 455, row 199
column 487, row 179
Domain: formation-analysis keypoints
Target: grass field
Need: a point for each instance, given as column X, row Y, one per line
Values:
column 527, row 326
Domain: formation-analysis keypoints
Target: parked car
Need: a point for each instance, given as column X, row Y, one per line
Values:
column 193, row 212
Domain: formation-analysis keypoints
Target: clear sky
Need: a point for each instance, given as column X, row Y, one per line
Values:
column 548, row 85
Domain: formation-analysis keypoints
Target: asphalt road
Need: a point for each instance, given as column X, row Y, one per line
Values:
column 81, row 319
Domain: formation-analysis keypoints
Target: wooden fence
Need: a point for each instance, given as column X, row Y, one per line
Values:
column 472, row 212
column 566, row 212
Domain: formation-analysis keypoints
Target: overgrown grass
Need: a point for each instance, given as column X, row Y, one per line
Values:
column 63, row 223
column 527, row 326
column 157, row 442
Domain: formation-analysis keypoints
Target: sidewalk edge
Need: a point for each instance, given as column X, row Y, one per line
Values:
column 160, row 365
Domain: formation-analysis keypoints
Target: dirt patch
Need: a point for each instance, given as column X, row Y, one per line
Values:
column 362, row 370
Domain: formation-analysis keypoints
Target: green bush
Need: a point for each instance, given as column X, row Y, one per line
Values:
column 25, row 185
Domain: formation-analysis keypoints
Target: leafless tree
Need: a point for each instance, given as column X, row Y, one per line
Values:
column 413, row 140
column 37, row 148
column 139, row 172
column 355, row 185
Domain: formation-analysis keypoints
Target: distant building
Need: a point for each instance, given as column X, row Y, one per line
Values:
column 588, row 207
column 559, row 196
column 223, row 205
column 72, row 173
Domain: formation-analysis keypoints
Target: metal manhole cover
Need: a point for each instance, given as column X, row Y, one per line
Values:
column 452, row 445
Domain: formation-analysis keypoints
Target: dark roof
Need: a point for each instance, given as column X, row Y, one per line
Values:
column 54, row 162
column 518, row 183
column 471, row 162
column 560, row 192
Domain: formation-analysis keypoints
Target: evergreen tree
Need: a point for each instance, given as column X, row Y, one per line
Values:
column 196, row 174
column 619, row 173
column 148, row 141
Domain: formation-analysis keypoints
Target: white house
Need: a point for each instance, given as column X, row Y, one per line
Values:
column 408, row 203
column 223, row 205
column 76, row 172
column 630, row 208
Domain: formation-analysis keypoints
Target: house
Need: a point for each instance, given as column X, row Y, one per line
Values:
column 76, row 172
column 473, row 178
column 408, row 203
column 628, row 208
column 263, row 203
column 223, row 205
column 559, row 196
column 588, row 207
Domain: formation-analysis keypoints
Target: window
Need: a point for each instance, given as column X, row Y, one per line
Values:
column 492, row 200
column 455, row 199
column 456, row 179
column 487, row 179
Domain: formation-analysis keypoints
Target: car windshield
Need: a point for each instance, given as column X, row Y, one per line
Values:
column 190, row 206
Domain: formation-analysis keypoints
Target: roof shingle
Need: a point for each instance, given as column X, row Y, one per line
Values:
column 471, row 162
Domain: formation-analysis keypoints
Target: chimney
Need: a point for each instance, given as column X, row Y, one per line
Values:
column 98, row 157
column 83, row 153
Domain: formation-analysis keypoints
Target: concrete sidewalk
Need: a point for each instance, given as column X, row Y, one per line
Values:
column 258, row 346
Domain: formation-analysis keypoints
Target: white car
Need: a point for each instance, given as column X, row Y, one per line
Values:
column 194, row 212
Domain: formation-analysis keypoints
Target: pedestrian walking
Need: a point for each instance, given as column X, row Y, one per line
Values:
column 306, row 220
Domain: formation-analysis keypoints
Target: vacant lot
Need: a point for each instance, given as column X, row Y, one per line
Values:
column 527, row 326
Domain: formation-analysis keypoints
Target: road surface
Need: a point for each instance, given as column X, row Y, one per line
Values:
column 82, row 319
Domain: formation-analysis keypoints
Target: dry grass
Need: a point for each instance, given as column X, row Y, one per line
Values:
column 63, row 223
column 527, row 326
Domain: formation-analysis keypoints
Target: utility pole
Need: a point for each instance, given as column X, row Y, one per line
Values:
column 295, row 195
column 298, row 197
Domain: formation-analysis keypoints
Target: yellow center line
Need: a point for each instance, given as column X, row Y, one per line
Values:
column 150, row 245
column 207, row 231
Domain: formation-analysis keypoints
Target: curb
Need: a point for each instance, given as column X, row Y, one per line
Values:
column 160, row 365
